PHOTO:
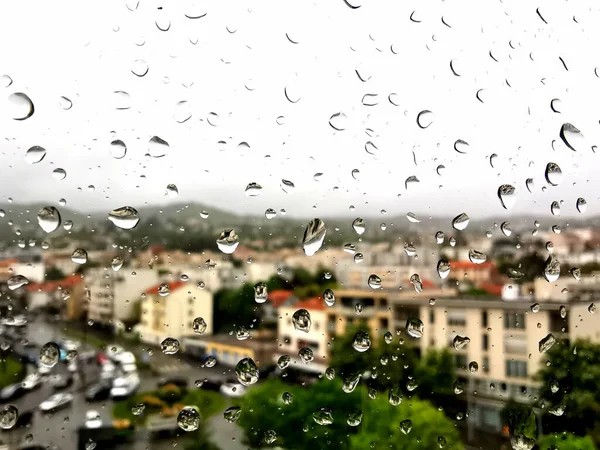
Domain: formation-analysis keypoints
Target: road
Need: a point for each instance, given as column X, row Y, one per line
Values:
column 60, row 428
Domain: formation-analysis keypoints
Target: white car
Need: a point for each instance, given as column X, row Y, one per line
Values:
column 234, row 390
column 124, row 358
column 44, row 370
column 31, row 381
column 72, row 366
column 129, row 368
column 125, row 386
column 69, row 345
column 92, row 419
column 113, row 351
column 56, row 401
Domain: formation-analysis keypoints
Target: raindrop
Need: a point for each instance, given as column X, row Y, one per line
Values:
column 49, row 354
column 576, row 273
column 493, row 158
column 8, row 417
column 283, row 362
column 59, row 174
column 460, row 342
column 555, row 104
column 359, row 226
column 458, row 387
column 116, row 263
column 395, row 396
column 354, row 418
column 328, row 297
column 171, row 191
column 370, row 100
column 323, row 416
column 121, row 100
column 270, row 213
column 169, row 346
column 461, row 146
column 287, row 398
column 355, row 173
column 412, row 179
column 338, row 121
column 443, row 268
column 301, row 320
column 306, row 355
column 371, row 148
column 361, row 342
column 535, row 308
column 17, row 281
column 164, row 289
column 406, row 426
column 393, row 99
column 5, row 81
column 553, row 174
column 139, row 67
column 374, row 281
column 562, row 311
column 138, row 409
column 507, row 196
column 529, row 184
column 412, row 218
column 439, row 169
column 158, row 147
column 199, row 325
column 552, row 269
column 424, row 119
column 21, row 106
column 358, row 258
column 182, row 111
column 228, row 241
column 49, row 219
column 35, row 154
column 410, row 249
column 79, row 256
column 287, row 186
column 555, row 208
column 260, row 292
column 460, row 222
column 188, row 419
column 415, row 279
column 571, row 136
column 547, row 343
column 313, row 236
column 477, row 257
column 65, row 103
column 330, row 373
column 253, row 189
column 68, row 225
column 439, row 237
column 232, row 414
column 350, row 382
column 581, row 205
column 473, row 367
column 414, row 327
column 350, row 248
column 118, row 149
column 505, row 228
column 125, row 217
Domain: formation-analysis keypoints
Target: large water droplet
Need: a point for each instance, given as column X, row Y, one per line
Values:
column 412, row 218
column 359, row 226
column 354, row 418
column 581, row 205
column 260, row 292
column 171, row 191
column 158, row 147
column 507, row 195
column 323, row 416
column 571, row 136
column 395, row 396
column 350, row 382
column 284, row 361
column 5, row 81
column 328, row 297
column 79, row 256
column 182, row 112
column 49, row 354
column 412, row 180
column 8, row 417
column 529, row 184
column 59, row 174
column 552, row 269
column 555, row 105
column 439, row 237
column 406, row 426
column 65, row 103
column 301, row 320
column 555, row 208
column 460, row 222
column 477, row 257
column 232, row 414
column 415, row 280
column 460, row 342
column 49, row 219
column 169, row 346
column 164, row 289
column 228, row 241
column 253, row 189
column 246, row 371
column 424, row 118
column 21, row 106
column 118, row 149
column 461, row 146
column 374, row 281
column 116, row 263
column 313, row 236
column 270, row 213
column 553, row 174
column 35, row 154
column 576, row 273
column 199, row 325
column 188, row 419
column 361, row 342
column 125, row 217
column 443, row 268
column 139, row 67
column 338, row 121
column 17, row 281
column 506, row 229
column 121, row 100
column 414, row 327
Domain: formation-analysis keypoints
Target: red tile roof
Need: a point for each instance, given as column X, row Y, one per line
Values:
column 464, row 265
column 8, row 262
column 278, row 297
column 51, row 286
column 427, row 284
column 173, row 285
column 315, row 303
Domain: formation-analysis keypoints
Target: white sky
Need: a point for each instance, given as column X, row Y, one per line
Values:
column 70, row 48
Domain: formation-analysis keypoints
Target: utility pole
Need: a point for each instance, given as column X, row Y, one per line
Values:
column 470, row 427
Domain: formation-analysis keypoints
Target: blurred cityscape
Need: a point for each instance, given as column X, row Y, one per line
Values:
column 465, row 318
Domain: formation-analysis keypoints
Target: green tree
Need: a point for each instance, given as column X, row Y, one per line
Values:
column 200, row 439
column 54, row 274
column 264, row 410
column 320, row 278
column 574, row 373
column 566, row 441
column 301, row 277
column 276, row 283
column 234, row 307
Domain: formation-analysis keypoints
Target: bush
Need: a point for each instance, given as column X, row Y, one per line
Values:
column 170, row 393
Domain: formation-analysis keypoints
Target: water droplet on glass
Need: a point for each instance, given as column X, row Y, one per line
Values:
column 188, row 419
column 49, row 354
column 458, row 387
column 330, row 373
column 164, row 289
column 21, row 106
column 260, row 292
column 199, row 325
column 371, row 148
column 412, row 218
column 460, row 222
column 439, row 237
column 125, row 217
column 139, row 68
column 283, row 362
column 313, row 236
column 493, row 158
column 301, row 320
column 171, row 191
column 59, row 174
column 395, row 396
column 323, row 416
column 8, row 417
column 79, row 256
column 118, row 149
column 374, row 281
column 424, row 119
column 350, row 382
column 158, row 147
column 232, row 414
column 228, row 241
column 68, row 225
column 505, row 228
column 49, row 219
column 410, row 249
column 415, row 280
column 35, row 154
column 553, row 174
column 477, row 257
column 5, row 81
column 406, row 426
column 439, row 169
column 328, row 297
column 65, row 103
column 460, row 342
column 359, row 226
column 121, row 100
column 581, row 205
column 575, row 273
column 388, row 337
column 522, row 428
column 338, row 121
column 287, row 398
column 414, row 327
column 17, row 281
column 461, row 146
column 546, row 343
column 350, row 248
column 507, row 196
column 529, row 184
column 306, row 355
column 443, row 269
column 169, row 346
column 253, row 189
column 138, row 409
column 552, row 269
column 361, row 342
column 571, row 136
column 412, row 179
column 270, row 213
column 562, row 310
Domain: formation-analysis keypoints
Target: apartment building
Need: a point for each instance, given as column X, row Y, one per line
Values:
column 68, row 296
column 173, row 315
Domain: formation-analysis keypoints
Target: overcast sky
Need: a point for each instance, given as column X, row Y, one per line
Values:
column 241, row 64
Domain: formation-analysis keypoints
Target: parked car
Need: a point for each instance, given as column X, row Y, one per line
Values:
column 92, row 419
column 232, row 388
column 56, row 401
column 25, row 419
column 43, row 370
column 61, row 381
column 180, row 382
column 12, row 391
column 125, row 386
column 98, row 391
column 32, row 381
column 211, row 385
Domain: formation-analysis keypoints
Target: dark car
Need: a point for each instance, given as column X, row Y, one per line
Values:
column 211, row 385
column 62, row 381
column 25, row 419
column 98, row 391
column 12, row 391
column 180, row 382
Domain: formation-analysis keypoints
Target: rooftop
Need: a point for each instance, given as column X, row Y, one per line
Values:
column 174, row 285
column 51, row 286
column 314, row 303
column 278, row 297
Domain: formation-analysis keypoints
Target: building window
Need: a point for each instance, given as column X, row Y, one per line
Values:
column 460, row 361
column 383, row 324
column 484, row 319
column 457, row 317
column 514, row 321
column 516, row 369
column 432, row 316
column 485, row 342
column 486, row 364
